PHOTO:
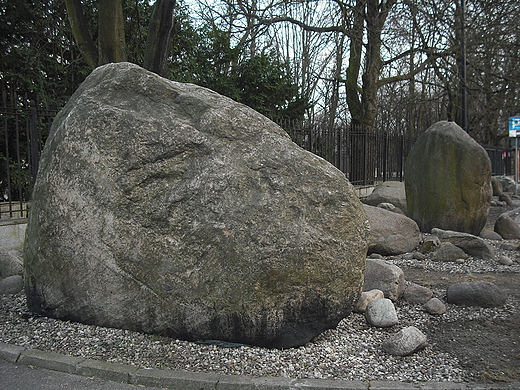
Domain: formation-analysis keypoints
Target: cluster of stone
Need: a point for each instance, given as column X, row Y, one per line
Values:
column 385, row 284
column 393, row 233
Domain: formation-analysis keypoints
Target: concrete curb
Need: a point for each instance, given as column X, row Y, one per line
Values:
column 183, row 380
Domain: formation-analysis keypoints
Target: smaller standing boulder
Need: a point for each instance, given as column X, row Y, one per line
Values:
column 365, row 298
column 381, row 313
column 448, row 180
column 496, row 186
column 507, row 228
column 482, row 294
column 405, row 342
column 381, row 275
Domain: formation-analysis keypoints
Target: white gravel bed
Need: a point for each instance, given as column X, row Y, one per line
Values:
column 352, row 351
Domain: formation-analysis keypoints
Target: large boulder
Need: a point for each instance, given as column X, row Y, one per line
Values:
column 391, row 233
column 388, row 192
column 167, row 208
column 448, row 180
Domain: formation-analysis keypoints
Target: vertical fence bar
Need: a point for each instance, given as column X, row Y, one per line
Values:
column 385, row 156
column 34, row 142
column 7, row 164
column 18, row 159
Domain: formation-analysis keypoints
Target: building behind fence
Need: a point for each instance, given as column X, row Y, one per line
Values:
column 365, row 157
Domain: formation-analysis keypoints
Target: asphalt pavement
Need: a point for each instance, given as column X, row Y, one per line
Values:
column 21, row 377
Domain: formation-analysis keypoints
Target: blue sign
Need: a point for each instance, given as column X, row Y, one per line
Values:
column 514, row 126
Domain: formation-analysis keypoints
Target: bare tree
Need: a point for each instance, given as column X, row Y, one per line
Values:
column 111, row 33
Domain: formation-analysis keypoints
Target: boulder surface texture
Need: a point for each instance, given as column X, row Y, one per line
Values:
column 169, row 209
column 448, row 180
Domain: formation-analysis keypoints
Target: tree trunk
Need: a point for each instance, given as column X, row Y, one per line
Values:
column 111, row 32
column 160, row 32
column 354, row 64
column 79, row 27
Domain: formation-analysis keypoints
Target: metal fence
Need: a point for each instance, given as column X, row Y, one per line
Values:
column 23, row 126
column 366, row 157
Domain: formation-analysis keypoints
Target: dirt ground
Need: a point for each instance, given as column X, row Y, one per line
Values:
column 490, row 348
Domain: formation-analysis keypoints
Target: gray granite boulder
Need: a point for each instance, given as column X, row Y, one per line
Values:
column 481, row 294
column 449, row 252
column 507, row 227
column 381, row 275
column 488, row 234
column 381, row 313
column 11, row 285
column 391, row 233
column 169, row 209
column 435, row 306
column 405, row 342
column 388, row 192
column 415, row 293
column 472, row 245
column 448, row 180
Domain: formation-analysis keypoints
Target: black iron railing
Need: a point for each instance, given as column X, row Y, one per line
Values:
column 365, row 156
column 24, row 125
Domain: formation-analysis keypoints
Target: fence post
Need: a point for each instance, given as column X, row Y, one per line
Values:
column 34, row 141
column 385, row 156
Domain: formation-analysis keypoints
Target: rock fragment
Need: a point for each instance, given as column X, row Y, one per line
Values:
column 405, row 342
column 381, row 313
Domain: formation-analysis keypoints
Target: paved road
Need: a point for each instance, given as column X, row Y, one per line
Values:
column 21, row 377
